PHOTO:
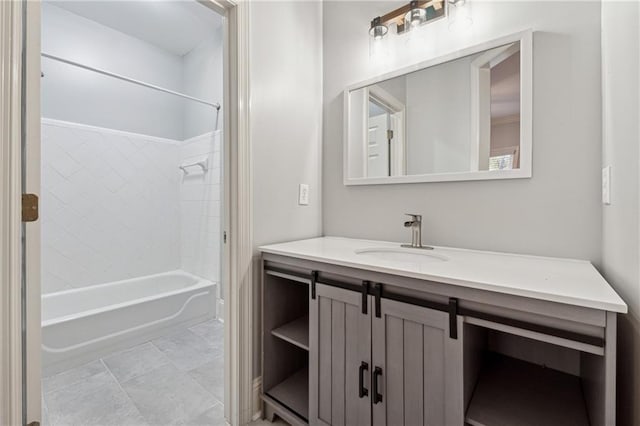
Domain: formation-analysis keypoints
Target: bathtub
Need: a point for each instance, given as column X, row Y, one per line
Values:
column 84, row 324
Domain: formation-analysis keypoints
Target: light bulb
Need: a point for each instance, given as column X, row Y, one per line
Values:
column 378, row 30
column 415, row 17
column 459, row 16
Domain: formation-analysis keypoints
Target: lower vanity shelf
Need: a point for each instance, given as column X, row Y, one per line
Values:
column 295, row 332
column 519, row 393
column 285, row 345
column 293, row 393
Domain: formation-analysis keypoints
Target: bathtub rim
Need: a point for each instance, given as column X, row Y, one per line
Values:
column 198, row 284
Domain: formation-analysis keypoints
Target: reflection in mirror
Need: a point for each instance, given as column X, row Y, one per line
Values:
column 384, row 131
column 504, row 147
column 379, row 142
column 459, row 116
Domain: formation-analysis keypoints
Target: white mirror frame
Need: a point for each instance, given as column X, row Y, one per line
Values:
column 526, row 113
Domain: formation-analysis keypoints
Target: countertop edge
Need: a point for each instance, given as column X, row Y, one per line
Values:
column 568, row 300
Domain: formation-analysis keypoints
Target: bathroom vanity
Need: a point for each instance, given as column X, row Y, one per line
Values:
column 360, row 332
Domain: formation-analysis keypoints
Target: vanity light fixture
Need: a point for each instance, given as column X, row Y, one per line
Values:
column 415, row 13
column 378, row 30
column 416, row 16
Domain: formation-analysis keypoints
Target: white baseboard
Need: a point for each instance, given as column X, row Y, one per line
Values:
column 257, row 401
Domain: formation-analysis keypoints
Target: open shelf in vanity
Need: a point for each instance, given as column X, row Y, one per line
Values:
column 285, row 340
column 295, row 332
column 514, row 380
column 519, row 393
column 293, row 392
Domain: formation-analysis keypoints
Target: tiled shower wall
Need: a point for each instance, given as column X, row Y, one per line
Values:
column 200, row 207
column 109, row 209
column 116, row 206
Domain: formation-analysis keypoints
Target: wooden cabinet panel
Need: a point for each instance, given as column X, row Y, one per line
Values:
column 421, row 380
column 339, row 342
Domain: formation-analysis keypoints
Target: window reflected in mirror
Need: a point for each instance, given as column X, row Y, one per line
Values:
column 504, row 148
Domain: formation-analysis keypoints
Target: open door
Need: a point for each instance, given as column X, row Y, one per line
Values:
column 31, row 230
column 378, row 145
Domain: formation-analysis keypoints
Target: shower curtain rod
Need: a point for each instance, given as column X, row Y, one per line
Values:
column 130, row 80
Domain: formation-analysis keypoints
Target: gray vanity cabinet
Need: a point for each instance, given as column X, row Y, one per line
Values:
column 339, row 358
column 392, row 366
column 420, row 377
column 343, row 346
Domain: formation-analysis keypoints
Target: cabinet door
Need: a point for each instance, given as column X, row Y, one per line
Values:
column 339, row 358
column 417, row 367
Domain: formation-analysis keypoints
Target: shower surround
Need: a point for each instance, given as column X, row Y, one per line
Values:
column 109, row 205
column 116, row 207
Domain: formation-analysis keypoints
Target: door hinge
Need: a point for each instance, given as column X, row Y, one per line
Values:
column 29, row 207
column 224, row 237
column 389, row 134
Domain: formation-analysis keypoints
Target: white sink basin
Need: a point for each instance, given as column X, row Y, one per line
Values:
column 401, row 254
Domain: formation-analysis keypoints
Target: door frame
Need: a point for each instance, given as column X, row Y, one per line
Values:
column 11, row 24
column 20, row 130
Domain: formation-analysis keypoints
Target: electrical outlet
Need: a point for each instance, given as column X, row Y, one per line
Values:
column 303, row 194
column 606, row 185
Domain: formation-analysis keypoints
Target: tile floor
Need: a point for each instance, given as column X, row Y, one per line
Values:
column 263, row 422
column 175, row 379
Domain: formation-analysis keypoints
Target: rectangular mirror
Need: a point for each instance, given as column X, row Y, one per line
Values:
column 465, row 116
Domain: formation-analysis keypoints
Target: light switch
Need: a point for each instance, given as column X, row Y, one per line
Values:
column 303, row 194
column 606, row 185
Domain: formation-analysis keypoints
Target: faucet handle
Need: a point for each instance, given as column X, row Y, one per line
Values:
column 416, row 217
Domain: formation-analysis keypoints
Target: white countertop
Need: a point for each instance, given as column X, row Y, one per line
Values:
column 574, row 282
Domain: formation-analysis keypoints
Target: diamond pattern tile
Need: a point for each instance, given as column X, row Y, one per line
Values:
column 106, row 217
column 116, row 206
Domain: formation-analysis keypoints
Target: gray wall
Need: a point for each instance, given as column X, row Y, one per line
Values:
column 80, row 96
column 286, row 124
column 620, row 220
column 202, row 78
column 557, row 212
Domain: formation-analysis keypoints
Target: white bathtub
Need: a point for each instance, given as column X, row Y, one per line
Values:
column 82, row 324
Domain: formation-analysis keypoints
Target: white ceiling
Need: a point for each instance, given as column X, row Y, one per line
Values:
column 175, row 26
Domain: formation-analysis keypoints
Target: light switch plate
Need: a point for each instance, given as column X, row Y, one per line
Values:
column 606, row 185
column 303, row 194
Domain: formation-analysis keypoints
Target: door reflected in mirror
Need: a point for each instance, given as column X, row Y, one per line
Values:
column 456, row 117
column 384, row 133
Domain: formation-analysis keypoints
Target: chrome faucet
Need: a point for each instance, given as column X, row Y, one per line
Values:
column 416, row 232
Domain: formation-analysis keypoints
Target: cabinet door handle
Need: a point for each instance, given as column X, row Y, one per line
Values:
column 377, row 397
column 362, row 391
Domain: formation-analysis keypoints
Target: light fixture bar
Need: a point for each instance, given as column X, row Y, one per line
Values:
column 397, row 16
